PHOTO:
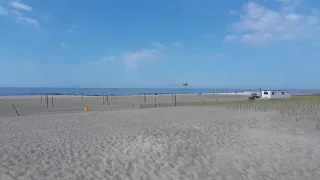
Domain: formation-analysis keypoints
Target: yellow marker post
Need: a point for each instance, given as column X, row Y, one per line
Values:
column 86, row 108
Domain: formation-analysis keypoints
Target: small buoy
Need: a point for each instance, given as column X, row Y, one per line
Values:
column 86, row 108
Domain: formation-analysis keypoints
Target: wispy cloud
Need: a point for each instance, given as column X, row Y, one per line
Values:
column 28, row 21
column 132, row 59
column 20, row 6
column 260, row 24
column 176, row 44
column 3, row 10
column 159, row 45
column 72, row 29
column 212, row 56
column 20, row 13
column 107, row 59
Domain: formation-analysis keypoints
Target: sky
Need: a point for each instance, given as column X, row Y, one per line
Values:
column 148, row 43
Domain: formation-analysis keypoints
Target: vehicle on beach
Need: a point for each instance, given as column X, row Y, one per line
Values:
column 254, row 96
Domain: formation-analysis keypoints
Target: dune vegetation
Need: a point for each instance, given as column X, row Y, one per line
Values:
column 300, row 107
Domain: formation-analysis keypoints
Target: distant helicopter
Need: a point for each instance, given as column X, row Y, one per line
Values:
column 185, row 84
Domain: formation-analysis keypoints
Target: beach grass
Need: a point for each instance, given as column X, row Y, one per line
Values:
column 298, row 106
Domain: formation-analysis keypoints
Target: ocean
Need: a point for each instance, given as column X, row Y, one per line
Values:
column 22, row 91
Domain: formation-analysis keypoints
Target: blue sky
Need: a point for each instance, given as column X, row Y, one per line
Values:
column 143, row 43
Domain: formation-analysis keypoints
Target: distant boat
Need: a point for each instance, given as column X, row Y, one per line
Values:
column 185, row 84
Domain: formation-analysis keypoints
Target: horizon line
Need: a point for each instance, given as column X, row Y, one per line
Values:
column 192, row 87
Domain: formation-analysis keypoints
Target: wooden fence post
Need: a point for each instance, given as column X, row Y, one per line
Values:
column 15, row 110
column 172, row 98
column 47, row 99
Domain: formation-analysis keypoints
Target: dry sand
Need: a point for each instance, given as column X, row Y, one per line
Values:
column 163, row 143
column 32, row 105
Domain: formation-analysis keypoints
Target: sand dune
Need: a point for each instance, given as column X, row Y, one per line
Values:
column 164, row 143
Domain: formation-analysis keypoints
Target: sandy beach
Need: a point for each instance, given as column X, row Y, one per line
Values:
column 159, row 143
column 35, row 105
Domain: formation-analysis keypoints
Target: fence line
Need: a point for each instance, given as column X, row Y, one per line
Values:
column 33, row 105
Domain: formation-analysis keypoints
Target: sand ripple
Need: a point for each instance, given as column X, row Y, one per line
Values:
column 165, row 143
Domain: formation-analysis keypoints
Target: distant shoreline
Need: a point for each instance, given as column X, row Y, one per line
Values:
column 109, row 91
column 18, row 91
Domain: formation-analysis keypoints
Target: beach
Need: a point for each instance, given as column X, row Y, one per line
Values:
column 158, row 143
column 37, row 104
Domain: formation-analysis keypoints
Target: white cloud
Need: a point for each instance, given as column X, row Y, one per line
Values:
column 28, row 21
column 176, row 44
column 293, row 2
column 132, row 60
column 260, row 24
column 107, row 59
column 293, row 17
column 19, row 12
column 3, row 10
column 20, row 6
column 288, row 8
column 231, row 37
column 159, row 45
column 210, row 56
column 72, row 28
column 290, row 5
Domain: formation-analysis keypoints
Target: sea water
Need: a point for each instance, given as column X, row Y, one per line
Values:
column 20, row 91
